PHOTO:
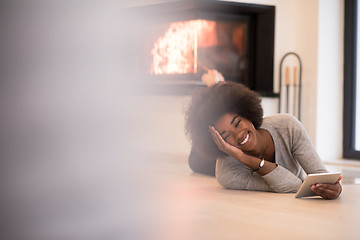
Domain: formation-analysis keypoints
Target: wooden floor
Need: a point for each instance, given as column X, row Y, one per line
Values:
column 183, row 205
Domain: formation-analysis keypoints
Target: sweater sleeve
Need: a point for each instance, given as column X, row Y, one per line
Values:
column 234, row 175
column 282, row 180
column 304, row 151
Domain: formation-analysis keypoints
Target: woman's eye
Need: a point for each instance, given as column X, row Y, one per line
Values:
column 237, row 124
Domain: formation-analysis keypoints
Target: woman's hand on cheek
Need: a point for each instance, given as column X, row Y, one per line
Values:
column 327, row 191
column 222, row 144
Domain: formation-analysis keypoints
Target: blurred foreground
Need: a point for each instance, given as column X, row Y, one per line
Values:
column 68, row 170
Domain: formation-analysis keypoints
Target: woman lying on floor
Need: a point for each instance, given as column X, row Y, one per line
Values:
column 232, row 140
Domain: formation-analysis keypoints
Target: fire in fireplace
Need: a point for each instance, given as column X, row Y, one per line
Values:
column 179, row 43
column 197, row 46
column 177, row 51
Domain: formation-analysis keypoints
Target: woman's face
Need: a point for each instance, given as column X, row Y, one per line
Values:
column 237, row 131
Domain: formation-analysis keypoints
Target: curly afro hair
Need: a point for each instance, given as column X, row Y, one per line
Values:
column 209, row 104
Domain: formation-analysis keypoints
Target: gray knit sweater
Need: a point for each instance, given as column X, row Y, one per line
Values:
column 294, row 154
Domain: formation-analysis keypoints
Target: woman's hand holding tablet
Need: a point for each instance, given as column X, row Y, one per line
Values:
column 325, row 185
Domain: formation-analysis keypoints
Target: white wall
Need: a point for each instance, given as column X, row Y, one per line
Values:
column 330, row 79
column 305, row 27
column 311, row 28
column 164, row 125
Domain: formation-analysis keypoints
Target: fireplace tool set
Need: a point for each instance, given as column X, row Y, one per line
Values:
column 290, row 85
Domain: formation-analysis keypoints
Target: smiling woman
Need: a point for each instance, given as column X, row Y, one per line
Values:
column 248, row 152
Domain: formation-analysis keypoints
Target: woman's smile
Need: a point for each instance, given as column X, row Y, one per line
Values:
column 245, row 139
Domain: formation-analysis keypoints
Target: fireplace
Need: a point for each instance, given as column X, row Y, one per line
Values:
column 175, row 44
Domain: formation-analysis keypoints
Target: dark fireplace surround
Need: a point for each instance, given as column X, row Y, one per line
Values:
column 140, row 38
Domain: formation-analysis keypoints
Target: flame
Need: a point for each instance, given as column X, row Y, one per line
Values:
column 176, row 51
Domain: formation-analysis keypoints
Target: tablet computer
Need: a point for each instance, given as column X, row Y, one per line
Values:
column 305, row 191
